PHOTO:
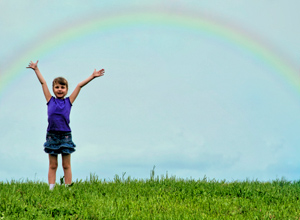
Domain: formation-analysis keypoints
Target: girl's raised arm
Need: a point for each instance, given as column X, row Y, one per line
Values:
column 76, row 91
column 46, row 91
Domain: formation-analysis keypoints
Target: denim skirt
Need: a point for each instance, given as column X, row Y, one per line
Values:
column 59, row 143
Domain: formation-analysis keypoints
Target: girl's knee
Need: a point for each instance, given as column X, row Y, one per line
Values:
column 66, row 162
column 53, row 162
column 66, row 166
column 53, row 166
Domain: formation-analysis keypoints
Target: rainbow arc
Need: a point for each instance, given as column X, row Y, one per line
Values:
column 202, row 23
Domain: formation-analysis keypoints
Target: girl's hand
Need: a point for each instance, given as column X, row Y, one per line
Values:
column 98, row 73
column 32, row 65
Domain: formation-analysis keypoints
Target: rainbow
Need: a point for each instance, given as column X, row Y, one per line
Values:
column 201, row 23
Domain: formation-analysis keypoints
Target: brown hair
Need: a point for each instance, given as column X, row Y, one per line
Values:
column 61, row 81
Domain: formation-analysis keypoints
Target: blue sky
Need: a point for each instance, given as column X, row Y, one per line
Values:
column 188, row 104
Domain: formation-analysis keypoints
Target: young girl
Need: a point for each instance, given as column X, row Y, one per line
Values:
column 59, row 138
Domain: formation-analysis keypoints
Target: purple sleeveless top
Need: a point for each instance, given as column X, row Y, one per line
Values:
column 59, row 114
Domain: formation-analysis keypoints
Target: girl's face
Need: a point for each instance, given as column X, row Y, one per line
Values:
column 60, row 91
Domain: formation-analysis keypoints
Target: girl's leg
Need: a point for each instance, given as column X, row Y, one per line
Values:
column 66, row 163
column 52, row 168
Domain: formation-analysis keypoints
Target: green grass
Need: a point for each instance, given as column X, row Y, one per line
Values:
column 154, row 198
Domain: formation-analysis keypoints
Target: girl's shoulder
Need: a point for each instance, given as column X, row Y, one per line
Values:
column 51, row 99
column 68, row 100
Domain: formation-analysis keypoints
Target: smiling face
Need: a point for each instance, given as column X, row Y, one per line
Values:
column 60, row 91
column 60, row 87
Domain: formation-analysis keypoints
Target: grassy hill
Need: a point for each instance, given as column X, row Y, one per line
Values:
column 154, row 198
